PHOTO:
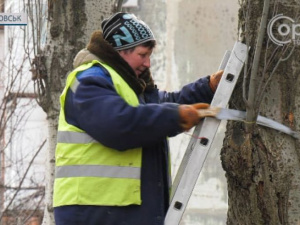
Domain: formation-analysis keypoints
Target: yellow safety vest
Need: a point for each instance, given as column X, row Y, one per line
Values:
column 87, row 172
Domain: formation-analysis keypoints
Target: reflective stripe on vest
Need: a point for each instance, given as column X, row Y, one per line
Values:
column 74, row 137
column 75, row 85
column 87, row 172
column 97, row 171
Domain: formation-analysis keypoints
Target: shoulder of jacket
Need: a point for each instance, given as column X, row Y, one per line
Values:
column 95, row 71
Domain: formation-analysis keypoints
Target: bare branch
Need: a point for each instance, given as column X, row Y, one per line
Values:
column 24, row 176
column 251, row 112
column 22, row 188
column 246, row 62
column 263, row 89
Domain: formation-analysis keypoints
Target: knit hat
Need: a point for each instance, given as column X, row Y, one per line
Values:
column 124, row 30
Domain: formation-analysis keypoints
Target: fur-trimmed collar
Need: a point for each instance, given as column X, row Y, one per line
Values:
column 102, row 51
column 84, row 56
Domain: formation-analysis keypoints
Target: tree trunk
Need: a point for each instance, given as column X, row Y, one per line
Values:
column 71, row 24
column 262, row 165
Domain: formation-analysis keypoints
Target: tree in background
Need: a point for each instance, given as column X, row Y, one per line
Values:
column 262, row 164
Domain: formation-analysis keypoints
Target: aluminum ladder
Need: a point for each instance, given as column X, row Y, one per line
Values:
column 197, row 150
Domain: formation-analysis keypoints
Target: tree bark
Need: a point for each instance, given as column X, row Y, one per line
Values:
column 262, row 165
column 71, row 24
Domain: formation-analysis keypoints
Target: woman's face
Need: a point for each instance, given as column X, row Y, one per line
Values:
column 138, row 59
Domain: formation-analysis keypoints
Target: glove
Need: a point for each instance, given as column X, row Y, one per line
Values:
column 215, row 79
column 189, row 115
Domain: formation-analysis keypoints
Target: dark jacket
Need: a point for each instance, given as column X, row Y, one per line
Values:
column 104, row 115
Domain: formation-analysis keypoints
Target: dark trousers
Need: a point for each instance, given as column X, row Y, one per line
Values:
column 103, row 215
